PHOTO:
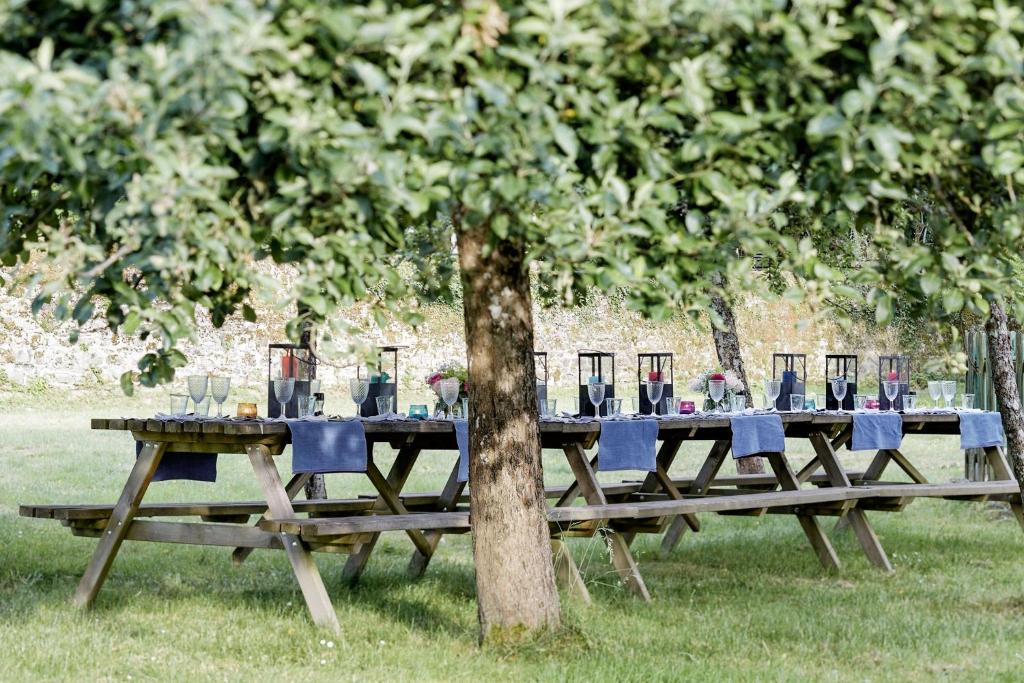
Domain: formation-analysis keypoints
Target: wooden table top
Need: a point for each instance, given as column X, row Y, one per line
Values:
column 699, row 426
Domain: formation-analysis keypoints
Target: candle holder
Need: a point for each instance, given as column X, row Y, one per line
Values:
column 289, row 361
column 839, row 365
column 600, row 366
column 654, row 366
column 897, row 368
column 791, row 371
column 383, row 380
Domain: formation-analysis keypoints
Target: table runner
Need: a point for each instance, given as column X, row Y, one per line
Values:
column 462, row 439
column 981, row 430
column 320, row 446
column 184, row 466
column 627, row 445
column 755, row 434
column 876, row 431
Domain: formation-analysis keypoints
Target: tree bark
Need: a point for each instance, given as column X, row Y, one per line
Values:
column 1004, row 381
column 515, row 580
column 727, row 347
column 316, row 487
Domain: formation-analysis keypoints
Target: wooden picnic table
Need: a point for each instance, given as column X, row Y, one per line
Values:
column 618, row 512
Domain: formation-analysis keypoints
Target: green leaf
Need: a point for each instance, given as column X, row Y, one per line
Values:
column 566, row 139
column 952, row 301
column 825, row 124
column 128, row 383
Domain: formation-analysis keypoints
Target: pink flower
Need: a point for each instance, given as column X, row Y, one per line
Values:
column 434, row 379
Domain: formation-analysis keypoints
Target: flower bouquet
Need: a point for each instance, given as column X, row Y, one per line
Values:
column 702, row 385
column 448, row 371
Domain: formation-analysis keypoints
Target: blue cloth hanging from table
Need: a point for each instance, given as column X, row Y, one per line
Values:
column 981, row 430
column 462, row 439
column 320, row 446
column 755, row 434
column 627, row 445
column 184, row 466
column 876, row 431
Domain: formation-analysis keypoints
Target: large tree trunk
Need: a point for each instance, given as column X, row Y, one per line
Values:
column 515, row 580
column 1004, row 381
column 727, row 346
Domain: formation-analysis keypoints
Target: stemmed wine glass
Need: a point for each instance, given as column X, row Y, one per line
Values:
column 197, row 385
column 772, row 389
column 948, row 392
column 450, row 387
column 839, row 389
column 716, row 389
column 358, row 388
column 654, row 390
column 284, row 387
column 596, row 393
column 935, row 391
column 892, row 390
column 219, row 387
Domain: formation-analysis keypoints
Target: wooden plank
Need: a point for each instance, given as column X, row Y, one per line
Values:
column 325, row 527
column 295, row 484
column 191, row 533
column 567, row 574
column 1001, row 470
column 117, row 526
column 708, row 473
column 279, row 506
column 395, row 505
column 448, row 500
column 907, row 467
column 819, row 541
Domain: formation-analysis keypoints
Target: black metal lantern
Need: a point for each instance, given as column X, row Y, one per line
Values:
column 791, row 370
column 896, row 368
column 840, row 365
column 540, row 368
column 290, row 361
column 599, row 366
column 654, row 366
column 383, row 380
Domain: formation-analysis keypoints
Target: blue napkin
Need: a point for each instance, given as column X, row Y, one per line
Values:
column 980, row 430
column 190, row 466
column 754, row 434
column 462, row 438
column 876, row 431
column 322, row 446
column 627, row 445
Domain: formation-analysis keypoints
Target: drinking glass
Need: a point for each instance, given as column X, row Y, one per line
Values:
column 318, row 403
column 909, row 402
column 383, row 405
column 284, row 387
column 548, row 407
column 860, row 402
column 465, row 408
column 811, row 402
column 935, row 391
column 796, row 402
column 595, row 392
column 948, row 392
column 219, row 387
column 613, row 406
column 634, row 404
column 179, row 404
column 450, row 387
column 202, row 409
column 716, row 389
column 197, row 385
column 654, row 389
column 358, row 388
column 772, row 389
column 314, row 386
column 892, row 390
column 575, row 405
column 839, row 385
column 670, row 407
column 967, row 402
column 739, row 403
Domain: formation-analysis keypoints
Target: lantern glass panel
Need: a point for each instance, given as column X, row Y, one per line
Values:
column 595, row 366
column 839, row 365
column 289, row 360
column 656, row 366
column 791, row 370
column 383, row 376
column 896, row 367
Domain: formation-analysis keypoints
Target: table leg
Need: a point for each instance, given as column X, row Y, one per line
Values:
column 708, row 471
column 819, row 541
column 279, row 506
column 396, row 478
column 622, row 558
column 449, row 500
column 659, row 478
column 857, row 518
column 872, row 473
column 566, row 571
column 395, row 504
column 1001, row 470
column 292, row 488
column 117, row 526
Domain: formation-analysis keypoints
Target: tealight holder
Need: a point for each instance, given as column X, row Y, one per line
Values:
column 246, row 410
column 418, row 411
column 687, row 408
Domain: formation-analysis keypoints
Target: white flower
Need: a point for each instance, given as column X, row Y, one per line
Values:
column 697, row 384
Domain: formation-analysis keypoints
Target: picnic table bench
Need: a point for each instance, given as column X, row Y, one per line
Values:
column 619, row 512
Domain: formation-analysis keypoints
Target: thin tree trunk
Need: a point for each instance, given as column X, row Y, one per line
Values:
column 316, row 487
column 515, row 581
column 727, row 346
column 1004, row 381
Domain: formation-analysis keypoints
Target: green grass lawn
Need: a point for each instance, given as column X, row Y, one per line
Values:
column 743, row 600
